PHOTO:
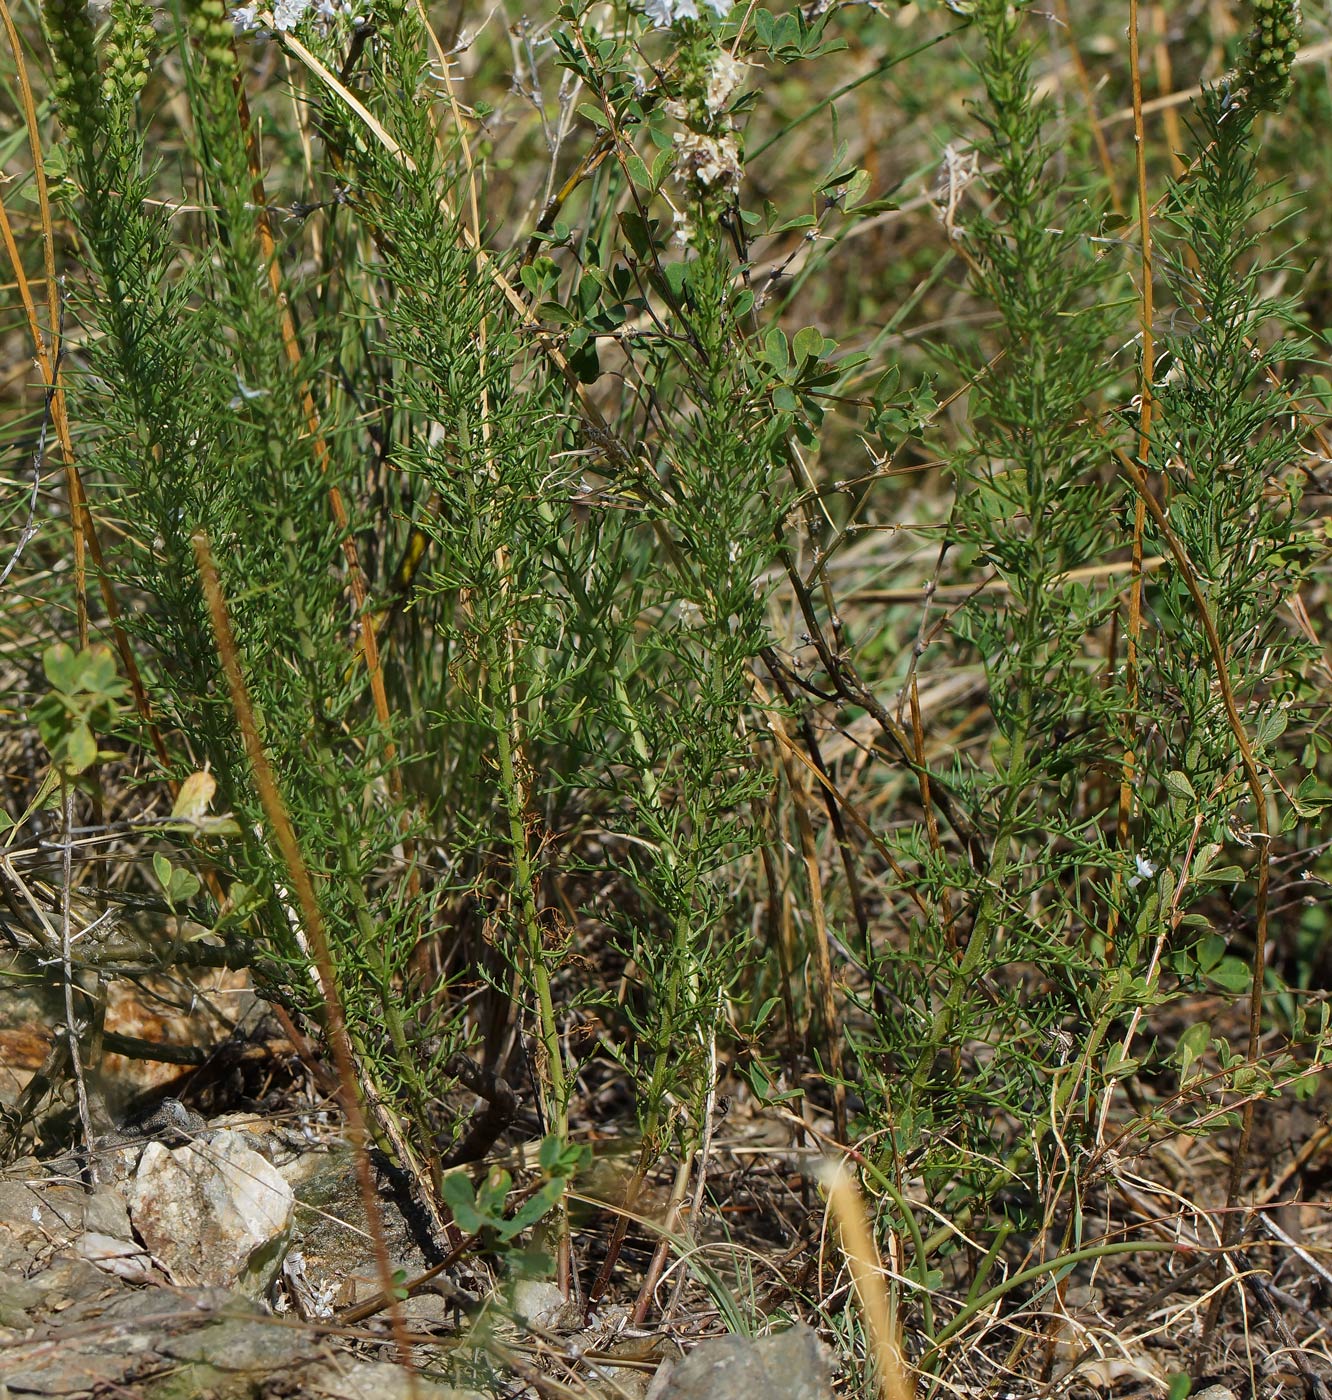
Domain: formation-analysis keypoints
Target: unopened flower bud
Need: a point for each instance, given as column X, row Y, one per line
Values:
column 1270, row 55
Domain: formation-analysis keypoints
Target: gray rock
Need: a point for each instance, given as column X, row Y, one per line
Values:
column 215, row 1213
column 790, row 1365
column 34, row 1221
column 129, row 1345
column 40, row 1218
column 69, row 1281
column 243, row 1344
column 105, row 1213
column 17, row 1296
column 52, row 1368
column 331, row 1234
column 542, row 1304
column 122, row 1258
column 60, row 1355
column 374, row 1380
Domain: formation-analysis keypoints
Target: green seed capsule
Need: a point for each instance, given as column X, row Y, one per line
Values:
column 1270, row 54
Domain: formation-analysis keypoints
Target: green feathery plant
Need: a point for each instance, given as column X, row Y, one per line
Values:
column 1046, row 486
column 201, row 398
column 515, row 482
column 1034, row 506
column 597, row 669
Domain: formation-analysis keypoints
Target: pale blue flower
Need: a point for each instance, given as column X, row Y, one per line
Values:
column 1146, row 869
column 246, row 394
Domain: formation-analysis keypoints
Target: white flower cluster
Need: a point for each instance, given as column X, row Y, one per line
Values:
column 287, row 14
column 664, row 13
column 724, row 78
column 711, row 160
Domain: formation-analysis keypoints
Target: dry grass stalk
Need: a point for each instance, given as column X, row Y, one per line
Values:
column 857, row 1242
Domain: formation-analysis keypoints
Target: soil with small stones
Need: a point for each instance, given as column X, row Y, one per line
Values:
column 74, row 1322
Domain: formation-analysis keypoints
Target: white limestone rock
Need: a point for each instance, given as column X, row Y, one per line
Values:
column 214, row 1212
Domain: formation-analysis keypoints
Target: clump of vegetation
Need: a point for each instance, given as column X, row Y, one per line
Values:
column 709, row 556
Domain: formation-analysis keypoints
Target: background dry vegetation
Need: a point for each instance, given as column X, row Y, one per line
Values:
column 761, row 641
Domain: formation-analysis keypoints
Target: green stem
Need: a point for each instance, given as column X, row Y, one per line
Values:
column 514, row 791
column 680, row 924
column 965, row 972
column 406, row 1073
column 1022, row 1153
